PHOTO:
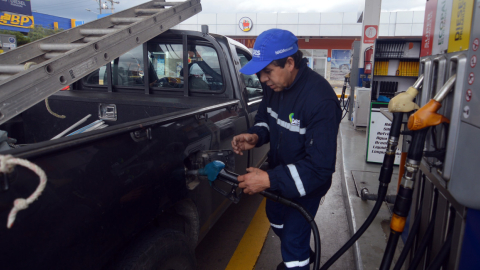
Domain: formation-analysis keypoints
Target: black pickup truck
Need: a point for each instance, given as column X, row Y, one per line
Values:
column 119, row 197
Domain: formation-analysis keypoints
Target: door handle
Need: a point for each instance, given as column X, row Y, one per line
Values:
column 141, row 135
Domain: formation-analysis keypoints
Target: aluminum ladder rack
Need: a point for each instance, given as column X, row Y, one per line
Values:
column 37, row 70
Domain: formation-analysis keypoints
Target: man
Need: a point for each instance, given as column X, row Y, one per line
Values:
column 299, row 115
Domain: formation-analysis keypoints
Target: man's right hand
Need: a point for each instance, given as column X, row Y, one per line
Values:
column 244, row 142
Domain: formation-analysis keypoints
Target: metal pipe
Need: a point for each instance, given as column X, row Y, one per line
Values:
column 365, row 195
column 148, row 11
column 52, row 55
column 97, row 31
column 11, row 69
column 166, row 4
column 126, row 20
column 419, row 82
column 440, row 96
column 90, row 39
column 60, row 46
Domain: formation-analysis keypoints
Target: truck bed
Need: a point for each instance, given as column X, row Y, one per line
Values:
column 38, row 125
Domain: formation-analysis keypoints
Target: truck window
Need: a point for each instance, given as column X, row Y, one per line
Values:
column 96, row 78
column 165, row 68
column 204, row 70
column 127, row 70
column 254, row 87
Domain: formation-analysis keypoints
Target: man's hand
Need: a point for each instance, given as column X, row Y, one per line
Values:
column 254, row 181
column 244, row 142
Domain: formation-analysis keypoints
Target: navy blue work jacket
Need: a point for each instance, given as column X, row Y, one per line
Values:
column 301, row 123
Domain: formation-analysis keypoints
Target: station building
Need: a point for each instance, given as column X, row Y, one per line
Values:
column 23, row 23
column 324, row 38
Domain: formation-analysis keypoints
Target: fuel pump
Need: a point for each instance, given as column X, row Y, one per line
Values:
column 403, row 103
column 419, row 122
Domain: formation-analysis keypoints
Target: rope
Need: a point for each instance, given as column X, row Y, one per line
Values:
column 7, row 163
column 27, row 66
column 51, row 112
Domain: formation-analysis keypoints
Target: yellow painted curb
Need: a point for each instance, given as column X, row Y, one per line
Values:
column 249, row 248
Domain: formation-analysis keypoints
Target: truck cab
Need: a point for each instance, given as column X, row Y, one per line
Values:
column 118, row 197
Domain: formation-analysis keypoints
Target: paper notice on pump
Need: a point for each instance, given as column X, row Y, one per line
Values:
column 378, row 131
column 442, row 27
column 460, row 25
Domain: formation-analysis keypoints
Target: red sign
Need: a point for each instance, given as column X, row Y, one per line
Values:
column 473, row 61
column 370, row 34
column 468, row 96
column 428, row 28
column 475, row 45
column 471, row 78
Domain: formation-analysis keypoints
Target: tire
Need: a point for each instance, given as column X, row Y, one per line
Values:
column 162, row 250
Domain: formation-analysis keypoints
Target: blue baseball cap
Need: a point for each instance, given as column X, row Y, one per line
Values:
column 270, row 45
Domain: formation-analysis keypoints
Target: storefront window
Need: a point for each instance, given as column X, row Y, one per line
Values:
column 317, row 60
column 340, row 65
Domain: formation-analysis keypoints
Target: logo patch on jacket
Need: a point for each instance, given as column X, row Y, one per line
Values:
column 293, row 121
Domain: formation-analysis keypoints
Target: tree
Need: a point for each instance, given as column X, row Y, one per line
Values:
column 38, row 32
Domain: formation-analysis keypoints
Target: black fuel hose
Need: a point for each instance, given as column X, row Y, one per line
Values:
column 232, row 177
column 384, row 179
column 427, row 238
column 390, row 249
column 382, row 191
column 306, row 215
column 404, row 197
column 411, row 235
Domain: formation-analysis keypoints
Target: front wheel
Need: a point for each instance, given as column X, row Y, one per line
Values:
column 163, row 250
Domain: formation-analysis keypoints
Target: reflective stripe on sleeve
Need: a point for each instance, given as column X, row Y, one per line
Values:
column 297, row 263
column 262, row 124
column 296, row 178
column 276, row 226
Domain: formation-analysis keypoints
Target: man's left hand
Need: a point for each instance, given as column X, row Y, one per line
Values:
column 254, row 181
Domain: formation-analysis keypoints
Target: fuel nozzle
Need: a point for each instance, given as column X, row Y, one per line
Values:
column 215, row 171
column 211, row 170
column 427, row 116
column 403, row 102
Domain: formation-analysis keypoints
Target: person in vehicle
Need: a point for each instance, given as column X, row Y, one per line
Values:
column 299, row 115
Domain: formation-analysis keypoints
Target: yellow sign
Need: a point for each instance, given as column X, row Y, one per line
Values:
column 16, row 20
column 460, row 25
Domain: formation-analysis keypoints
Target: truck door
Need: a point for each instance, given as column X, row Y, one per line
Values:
column 254, row 92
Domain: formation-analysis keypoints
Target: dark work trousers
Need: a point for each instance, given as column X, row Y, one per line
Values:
column 294, row 231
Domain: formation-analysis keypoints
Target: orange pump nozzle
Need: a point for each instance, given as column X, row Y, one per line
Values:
column 427, row 116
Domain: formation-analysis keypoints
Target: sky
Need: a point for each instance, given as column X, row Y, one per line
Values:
column 76, row 8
